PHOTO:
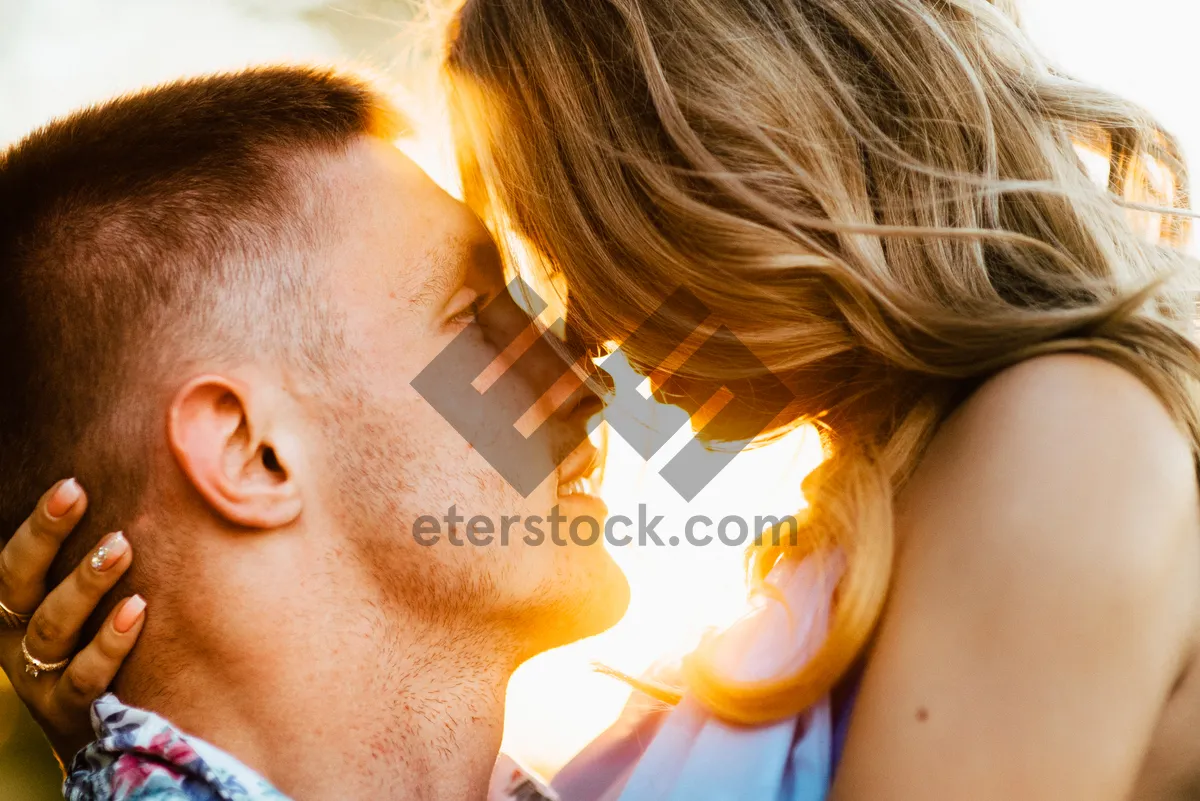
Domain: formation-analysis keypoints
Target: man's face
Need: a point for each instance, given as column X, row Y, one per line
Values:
column 409, row 269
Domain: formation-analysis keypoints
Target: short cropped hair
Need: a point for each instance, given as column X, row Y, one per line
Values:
column 143, row 234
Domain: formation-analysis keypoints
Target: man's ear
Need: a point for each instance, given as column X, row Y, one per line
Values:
column 222, row 442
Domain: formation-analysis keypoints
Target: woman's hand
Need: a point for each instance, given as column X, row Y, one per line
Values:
column 49, row 625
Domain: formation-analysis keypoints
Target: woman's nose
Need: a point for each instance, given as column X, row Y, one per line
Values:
column 569, row 387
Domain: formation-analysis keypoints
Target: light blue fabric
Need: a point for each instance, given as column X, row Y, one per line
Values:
column 694, row 756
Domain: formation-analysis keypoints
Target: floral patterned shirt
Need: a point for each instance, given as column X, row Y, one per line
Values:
column 138, row 756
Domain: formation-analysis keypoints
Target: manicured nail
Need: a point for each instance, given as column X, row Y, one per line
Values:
column 110, row 552
column 130, row 614
column 64, row 498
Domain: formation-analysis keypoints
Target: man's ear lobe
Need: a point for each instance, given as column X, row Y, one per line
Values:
column 222, row 444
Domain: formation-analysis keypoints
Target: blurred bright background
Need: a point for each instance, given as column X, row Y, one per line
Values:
column 56, row 55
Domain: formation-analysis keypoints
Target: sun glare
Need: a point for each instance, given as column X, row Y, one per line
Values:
column 557, row 702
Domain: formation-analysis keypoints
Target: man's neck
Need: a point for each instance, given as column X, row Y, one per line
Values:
column 379, row 715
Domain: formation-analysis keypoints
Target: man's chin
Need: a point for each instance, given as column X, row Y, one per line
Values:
column 611, row 603
column 590, row 603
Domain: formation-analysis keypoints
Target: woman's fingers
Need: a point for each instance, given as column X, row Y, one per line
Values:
column 93, row 669
column 26, row 558
column 55, row 627
column 64, row 711
column 59, row 700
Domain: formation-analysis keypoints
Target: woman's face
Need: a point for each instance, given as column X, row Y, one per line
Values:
column 564, row 148
column 722, row 408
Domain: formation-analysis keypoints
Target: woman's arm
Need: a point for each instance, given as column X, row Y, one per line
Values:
column 60, row 701
column 1045, row 599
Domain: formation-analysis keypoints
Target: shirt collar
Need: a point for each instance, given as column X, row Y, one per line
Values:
column 137, row 755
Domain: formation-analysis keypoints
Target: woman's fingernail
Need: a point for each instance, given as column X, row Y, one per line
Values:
column 130, row 614
column 64, row 498
column 110, row 552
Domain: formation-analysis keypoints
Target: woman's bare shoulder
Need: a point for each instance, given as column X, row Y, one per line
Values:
column 1044, row 599
column 1057, row 429
column 1063, row 469
column 1084, row 403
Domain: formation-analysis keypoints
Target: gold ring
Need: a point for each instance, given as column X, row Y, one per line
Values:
column 11, row 619
column 35, row 666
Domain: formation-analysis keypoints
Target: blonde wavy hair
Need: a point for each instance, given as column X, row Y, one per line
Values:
column 886, row 200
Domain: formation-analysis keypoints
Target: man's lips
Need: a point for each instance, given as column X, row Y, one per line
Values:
column 578, row 486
